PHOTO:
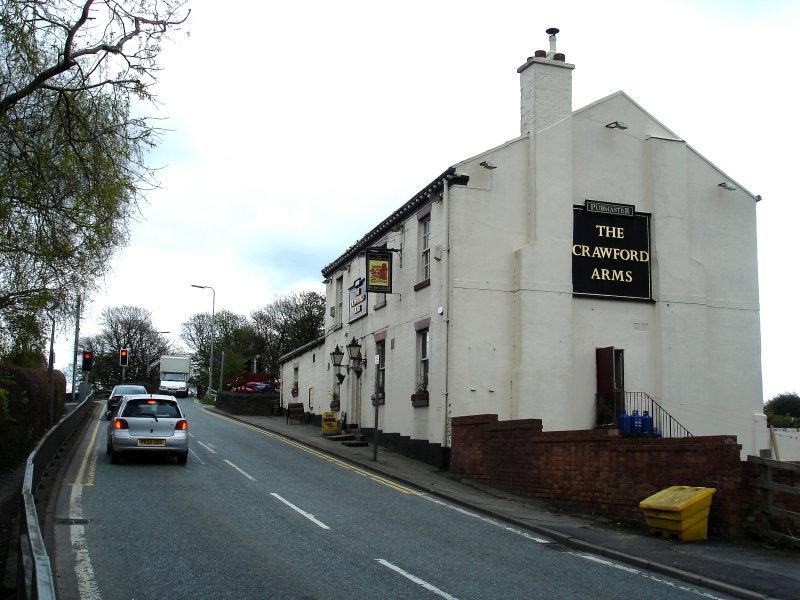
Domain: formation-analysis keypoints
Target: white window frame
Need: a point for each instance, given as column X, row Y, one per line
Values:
column 339, row 302
column 380, row 372
column 423, row 356
column 425, row 248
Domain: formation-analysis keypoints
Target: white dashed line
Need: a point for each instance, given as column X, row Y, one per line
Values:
column 308, row 516
column 207, row 448
column 250, row 477
column 428, row 586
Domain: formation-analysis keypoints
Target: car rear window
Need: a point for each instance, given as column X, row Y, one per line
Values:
column 122, row 390
column 147, row 408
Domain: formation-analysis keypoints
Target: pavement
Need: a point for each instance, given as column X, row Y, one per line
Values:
column 740, row 568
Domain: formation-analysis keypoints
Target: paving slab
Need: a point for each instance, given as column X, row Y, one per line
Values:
column 742, row 568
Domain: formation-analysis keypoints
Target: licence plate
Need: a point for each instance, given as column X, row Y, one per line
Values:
column 149, row 442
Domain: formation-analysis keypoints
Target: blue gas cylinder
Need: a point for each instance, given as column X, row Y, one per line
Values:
column 636, row 422
column 647, row 423
column 624, row 422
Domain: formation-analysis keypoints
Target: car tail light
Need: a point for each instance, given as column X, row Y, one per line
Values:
column 182, row 425
column 120, row 424
column 152, row 401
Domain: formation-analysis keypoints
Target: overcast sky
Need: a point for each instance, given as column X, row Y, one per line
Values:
column 297, row 126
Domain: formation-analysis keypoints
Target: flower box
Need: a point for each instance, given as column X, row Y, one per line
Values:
column 378, row 399
column 419, row 399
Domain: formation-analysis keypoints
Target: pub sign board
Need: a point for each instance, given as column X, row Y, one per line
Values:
column 379, row 271
column 611, row 251
column 357, row 294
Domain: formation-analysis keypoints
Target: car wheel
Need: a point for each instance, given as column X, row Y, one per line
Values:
column 115, row 458
column 182, row 458
column 108, row 448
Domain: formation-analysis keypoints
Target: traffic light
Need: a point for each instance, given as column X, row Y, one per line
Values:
column 248, row 365
column 88, row 361
column 123, row 357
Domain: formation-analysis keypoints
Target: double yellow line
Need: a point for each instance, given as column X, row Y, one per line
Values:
column 339, row 463
column 88, row 453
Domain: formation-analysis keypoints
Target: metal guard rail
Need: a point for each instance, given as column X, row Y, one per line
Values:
column 640, row 402
column 34, row 574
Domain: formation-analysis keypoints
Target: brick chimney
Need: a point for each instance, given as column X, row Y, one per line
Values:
column 546, row 88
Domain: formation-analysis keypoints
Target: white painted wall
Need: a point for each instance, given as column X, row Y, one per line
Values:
column 788, row 443
column 520, row 345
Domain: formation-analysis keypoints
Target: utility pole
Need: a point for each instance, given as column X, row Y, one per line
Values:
column 50, row 368
column 75, row 349
column 221, row 369
column 375, row 401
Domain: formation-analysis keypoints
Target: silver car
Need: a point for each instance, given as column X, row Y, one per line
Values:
column 116, row 395
column 148, row 423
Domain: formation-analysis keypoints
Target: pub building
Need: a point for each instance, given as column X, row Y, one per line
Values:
column 593, row 266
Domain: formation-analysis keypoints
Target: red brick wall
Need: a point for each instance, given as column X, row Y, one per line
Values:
column 597, row 469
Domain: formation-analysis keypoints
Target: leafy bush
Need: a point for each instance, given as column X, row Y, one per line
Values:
column 783, row 410
column 25, row 410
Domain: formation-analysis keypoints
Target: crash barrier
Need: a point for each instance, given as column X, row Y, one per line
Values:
column 34, row 575
column 295, row 410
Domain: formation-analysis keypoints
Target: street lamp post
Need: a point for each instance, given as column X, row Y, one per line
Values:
column 211, row 356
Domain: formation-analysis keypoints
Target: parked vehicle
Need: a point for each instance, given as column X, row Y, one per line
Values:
column 148, row 423
column 116, row 395
column 174, row 377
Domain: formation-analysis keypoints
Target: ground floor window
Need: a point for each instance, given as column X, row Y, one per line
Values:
column 423, row 351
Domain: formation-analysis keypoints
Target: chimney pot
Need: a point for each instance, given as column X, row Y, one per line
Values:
column 539, row 54
column 559, row 56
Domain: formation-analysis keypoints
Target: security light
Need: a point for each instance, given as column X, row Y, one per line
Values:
column 617, row 125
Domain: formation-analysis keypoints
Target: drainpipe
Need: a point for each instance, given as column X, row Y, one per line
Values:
column 446, row 314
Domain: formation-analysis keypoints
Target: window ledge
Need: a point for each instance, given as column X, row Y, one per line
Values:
column 381, row 305
column 337, row 327
column 422, row 284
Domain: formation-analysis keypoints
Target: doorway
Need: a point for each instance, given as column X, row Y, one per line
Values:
column 610, row 396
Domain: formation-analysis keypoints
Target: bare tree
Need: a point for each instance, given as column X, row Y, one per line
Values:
column 128, row 327
column 287, row 323
column 72, row 168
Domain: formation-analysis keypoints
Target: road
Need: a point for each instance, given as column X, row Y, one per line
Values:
column 255, row 515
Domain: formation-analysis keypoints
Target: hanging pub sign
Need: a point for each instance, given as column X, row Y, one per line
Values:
column 379, row 271
column 611, row 251
column 358, row 299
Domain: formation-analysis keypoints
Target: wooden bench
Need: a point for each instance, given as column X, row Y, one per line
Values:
column 295, row 410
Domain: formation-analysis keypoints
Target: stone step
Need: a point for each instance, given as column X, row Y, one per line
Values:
column 341, row 437
column 355, row 443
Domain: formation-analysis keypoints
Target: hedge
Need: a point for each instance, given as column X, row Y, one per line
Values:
column 25, row 410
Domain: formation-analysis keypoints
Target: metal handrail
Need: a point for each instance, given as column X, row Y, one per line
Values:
column 663, row 422
column 34, row 574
